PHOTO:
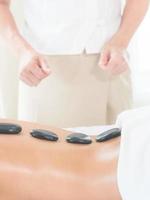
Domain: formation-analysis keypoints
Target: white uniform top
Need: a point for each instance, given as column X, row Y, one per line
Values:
column 70, row 26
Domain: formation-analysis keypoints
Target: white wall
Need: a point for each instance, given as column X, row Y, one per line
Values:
column 141, row 64
column 8, row 71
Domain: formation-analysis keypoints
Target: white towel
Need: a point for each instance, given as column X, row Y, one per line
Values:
column 134, row 159
column 90, row 130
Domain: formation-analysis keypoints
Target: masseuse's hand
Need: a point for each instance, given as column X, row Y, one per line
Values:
column 114, row 58
column 33, row 68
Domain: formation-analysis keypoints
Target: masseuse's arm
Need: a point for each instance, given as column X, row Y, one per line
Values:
column 34, row 68
column 113, row 54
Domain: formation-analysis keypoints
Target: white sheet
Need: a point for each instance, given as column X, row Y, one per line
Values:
column 91, row 130
column 134, row 160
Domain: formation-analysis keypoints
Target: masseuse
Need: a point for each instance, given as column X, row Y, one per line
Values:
column 78, row 48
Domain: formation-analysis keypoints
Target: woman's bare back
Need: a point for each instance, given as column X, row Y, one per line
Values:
column 32, row 169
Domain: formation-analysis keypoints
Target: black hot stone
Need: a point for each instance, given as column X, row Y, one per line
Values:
column 8, row 128
column 108, row 135
column 79, row 138
column 44, row 135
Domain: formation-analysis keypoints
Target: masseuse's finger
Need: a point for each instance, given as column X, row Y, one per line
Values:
column 37, row 72
column 23, row 77
column 26, row 80
column 120, row 69
column 28, row 75
column 113, row 63
column 44, row 66
column 117, row 64
column 104, row 59
column 34, row 80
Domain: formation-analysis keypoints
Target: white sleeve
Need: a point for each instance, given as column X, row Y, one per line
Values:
column 134, row 158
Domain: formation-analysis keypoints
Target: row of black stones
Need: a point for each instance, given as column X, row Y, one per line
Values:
column 75, row 138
